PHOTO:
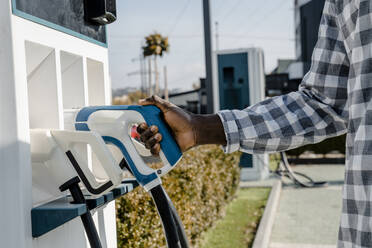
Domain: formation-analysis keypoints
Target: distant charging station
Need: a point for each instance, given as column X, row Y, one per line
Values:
column 239, row 82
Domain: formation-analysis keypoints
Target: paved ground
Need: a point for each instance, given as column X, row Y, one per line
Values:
column 307, row 218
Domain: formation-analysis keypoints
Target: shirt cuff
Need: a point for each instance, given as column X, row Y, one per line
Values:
column 231, row 131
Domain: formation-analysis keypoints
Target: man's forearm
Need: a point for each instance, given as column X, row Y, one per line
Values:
column 208, row 130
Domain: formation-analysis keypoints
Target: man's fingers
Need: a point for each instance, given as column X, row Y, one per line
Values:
column 148, row 133
column 142, row 127
column 155, row 150
column 155, row 100
column 151, row 137
column 153, row 140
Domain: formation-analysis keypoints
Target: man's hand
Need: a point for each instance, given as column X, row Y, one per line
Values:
column 177, row 119
column 188, row 129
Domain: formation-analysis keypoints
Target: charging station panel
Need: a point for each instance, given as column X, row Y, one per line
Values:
column 233, row 77
column 239, row 82
column 67, row 16
column 234, row 80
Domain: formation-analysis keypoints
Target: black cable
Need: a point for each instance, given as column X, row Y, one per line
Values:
column 78, row 197
column 180, row 228
column 293, row 175
column 172, row 225
column 170, row 229
column 178, row 18
column 89, row 226
column 285, row 170
column 230, row 11
column 265, row 17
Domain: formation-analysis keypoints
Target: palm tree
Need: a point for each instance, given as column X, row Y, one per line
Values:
column 156, row 45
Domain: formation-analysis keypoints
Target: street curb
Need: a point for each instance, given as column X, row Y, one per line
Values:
column 280, row 245
column 262, row 238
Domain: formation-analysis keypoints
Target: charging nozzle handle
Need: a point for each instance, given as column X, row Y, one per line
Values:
column 170, row 152
column 169, row 146
column 67, row 140
column 91, row 118
column 151, row 114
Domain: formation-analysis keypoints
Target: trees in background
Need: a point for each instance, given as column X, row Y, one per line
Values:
column 155, row 46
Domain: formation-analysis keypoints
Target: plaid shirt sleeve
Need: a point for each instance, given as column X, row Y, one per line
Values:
column 313, row 113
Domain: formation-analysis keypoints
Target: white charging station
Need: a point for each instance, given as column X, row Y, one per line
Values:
column 238, row 82
column 43, row 72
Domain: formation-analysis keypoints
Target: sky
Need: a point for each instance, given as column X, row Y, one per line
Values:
column 268, row 24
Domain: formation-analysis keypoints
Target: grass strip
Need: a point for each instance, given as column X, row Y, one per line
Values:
column 238, row 227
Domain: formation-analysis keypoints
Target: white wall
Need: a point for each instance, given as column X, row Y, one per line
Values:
column 43, row 88
column 95, row 72
column 15, row 170
column 43, row 72
column 74, row 87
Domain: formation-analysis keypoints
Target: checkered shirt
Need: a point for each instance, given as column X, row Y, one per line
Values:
column 334, row 98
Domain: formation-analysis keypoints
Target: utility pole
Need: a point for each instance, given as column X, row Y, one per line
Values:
column 143, row 74
column 208, row 56
column 142, row 71
column 217, row 36
column 166, row 93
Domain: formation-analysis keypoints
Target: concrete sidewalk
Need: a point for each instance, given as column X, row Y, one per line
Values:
column 309, row 218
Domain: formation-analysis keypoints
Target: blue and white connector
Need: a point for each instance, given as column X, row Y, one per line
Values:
column 113, row 124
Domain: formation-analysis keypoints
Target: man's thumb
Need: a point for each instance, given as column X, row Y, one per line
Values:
column 154, row 100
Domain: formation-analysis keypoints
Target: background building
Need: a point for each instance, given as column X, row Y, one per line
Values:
column 307, row 19
column 194, row 101
column 289, row 73
column 278, row 82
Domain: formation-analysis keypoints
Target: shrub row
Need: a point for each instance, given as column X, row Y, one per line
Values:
column 203, row 182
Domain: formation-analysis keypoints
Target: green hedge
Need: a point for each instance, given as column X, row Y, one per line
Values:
column 203, row 182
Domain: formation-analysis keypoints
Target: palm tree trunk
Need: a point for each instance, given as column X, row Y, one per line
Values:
column 166, row 93
column 150, row 74
column 156, row 76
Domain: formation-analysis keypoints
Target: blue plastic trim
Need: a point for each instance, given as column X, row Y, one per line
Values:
column 81, row 127
column 152, row 116
column 142, row 179
column 53, row 214
column 93, row 203
column 109, row 196
column 120, row 190
column 125, row 187
column 55, row 26
column 49, row 216
column 130, row 181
